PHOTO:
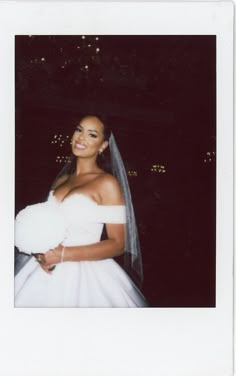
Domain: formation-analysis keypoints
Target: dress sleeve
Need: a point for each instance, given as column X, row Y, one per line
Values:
column 111, row 214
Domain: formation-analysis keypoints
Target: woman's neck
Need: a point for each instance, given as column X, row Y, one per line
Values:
column 85, row 166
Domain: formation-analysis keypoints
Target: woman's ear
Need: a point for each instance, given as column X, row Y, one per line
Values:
column 104, row 146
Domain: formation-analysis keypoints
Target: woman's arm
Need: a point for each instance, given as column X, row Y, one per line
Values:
column 110, row 194
column 111, row 247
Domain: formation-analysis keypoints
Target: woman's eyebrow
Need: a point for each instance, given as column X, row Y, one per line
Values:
column 89, row 130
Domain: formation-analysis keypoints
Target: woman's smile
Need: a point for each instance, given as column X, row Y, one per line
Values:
column 80, row 146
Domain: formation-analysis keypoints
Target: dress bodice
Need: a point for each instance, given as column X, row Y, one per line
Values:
column 85, row 218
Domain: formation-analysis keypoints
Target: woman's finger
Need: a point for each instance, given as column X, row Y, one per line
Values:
column 46, row 268
column 39, row 257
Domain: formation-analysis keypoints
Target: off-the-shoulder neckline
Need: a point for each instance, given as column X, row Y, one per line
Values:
column 82, row 195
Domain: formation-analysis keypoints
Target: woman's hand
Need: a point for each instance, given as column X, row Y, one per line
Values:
column 49, row 260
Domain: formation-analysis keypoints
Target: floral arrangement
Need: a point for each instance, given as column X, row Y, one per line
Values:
column 39, row 227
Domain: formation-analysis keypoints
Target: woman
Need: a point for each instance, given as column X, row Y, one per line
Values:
column 81, row 271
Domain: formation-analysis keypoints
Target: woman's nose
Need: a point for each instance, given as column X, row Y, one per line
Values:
column 80, row 136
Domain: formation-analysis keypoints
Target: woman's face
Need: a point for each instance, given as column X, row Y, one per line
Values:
column 88, row 138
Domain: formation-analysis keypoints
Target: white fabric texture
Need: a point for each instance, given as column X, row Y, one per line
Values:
column 100, row 283
column 39, row 227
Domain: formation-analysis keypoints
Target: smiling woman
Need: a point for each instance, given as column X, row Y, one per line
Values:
column 88, row 137
column 81, row 271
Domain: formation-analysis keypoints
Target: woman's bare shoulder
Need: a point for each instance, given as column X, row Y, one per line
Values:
column 110, row 190
column 108, row 181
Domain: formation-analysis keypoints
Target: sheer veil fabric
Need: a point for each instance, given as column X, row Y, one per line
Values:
column 132, row 254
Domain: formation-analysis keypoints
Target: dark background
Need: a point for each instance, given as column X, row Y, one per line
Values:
column 159, row 95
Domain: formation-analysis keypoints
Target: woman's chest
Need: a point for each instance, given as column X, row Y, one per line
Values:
column 85, row 186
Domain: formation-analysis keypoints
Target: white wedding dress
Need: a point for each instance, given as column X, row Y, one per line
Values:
column 100, row 283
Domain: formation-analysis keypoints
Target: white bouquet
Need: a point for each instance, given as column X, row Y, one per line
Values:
column 39, row 227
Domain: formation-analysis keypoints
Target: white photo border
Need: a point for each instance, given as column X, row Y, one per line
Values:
column 152, row 341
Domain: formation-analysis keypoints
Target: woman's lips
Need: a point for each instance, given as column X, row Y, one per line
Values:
column 80, row 146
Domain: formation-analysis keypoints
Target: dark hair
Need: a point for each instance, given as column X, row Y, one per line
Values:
column 104, row 159
column 105, row 122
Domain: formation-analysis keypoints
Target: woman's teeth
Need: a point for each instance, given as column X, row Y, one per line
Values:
column 80, row 146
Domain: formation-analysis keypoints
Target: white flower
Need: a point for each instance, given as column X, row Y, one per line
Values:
column 39, row 227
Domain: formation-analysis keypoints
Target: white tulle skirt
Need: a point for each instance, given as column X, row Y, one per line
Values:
column 76, row 284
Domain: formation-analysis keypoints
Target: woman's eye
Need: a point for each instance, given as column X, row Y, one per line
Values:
column 78, row 129
column 93, row 135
